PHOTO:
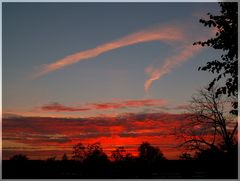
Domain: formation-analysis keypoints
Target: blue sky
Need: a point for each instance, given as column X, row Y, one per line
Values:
column 36, row 34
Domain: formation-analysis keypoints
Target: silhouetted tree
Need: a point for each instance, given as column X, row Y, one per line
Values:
column 210, row 154
column 129, row 157
column 19, row 157
column 96, row 161
column 226, row 39
column 209, row 125
column 185, row 156
column 119, row 154
column 79, row 152
column 64, row 157
column 95, row 147
column 150, row 153
column 95, row 154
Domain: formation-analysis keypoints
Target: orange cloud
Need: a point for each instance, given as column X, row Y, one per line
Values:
column 169, row 33
column 169, row 63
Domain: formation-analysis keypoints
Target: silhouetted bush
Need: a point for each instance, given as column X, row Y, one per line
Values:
column 19, row 157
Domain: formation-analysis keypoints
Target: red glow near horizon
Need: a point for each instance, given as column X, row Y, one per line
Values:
column 55, row 136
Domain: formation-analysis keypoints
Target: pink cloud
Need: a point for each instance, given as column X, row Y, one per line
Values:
column 169, row 33
column 169, row 63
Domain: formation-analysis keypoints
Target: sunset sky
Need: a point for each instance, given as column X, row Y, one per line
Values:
column 115, row 73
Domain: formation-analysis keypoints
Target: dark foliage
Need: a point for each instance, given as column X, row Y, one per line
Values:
column 97, row 165
column 64, row 157
column 215, row 154
column 51, row 159
column 119, row 154
column 226, row 39
column 185, row 156
column 149, row 153
column 79, row 152
column 96, row 162
column 19, row 157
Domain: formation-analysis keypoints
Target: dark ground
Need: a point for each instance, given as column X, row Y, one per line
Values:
column 167, row 169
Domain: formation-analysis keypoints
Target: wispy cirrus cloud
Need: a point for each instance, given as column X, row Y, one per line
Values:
column 178, row 33
column 171, row 62
column 167, row 33
column 180, row 53
column 57, row 107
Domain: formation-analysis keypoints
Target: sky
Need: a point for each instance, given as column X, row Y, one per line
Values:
column 117, row 73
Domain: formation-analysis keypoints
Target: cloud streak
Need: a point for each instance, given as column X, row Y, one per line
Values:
column 169, row 63
column 57, row 107
column 181, row 52
column 169, row 33
column 61, row 108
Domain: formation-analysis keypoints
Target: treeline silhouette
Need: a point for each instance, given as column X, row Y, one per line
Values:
column 91, row 162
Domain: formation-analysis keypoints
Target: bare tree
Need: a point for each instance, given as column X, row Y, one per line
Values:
column 209, row 124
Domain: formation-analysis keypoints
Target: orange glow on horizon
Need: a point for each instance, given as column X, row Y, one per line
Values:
column 35, row 134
